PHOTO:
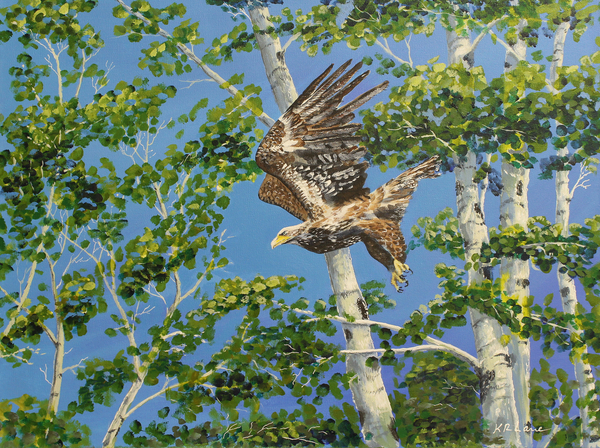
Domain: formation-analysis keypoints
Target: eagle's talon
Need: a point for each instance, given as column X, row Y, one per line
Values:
column 401, row 267
column 398, row 279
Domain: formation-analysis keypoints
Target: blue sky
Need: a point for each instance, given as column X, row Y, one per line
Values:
column 251, row 224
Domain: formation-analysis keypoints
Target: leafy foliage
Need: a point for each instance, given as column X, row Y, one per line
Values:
column 24, row 422
column 73, row 219
column 441, row 404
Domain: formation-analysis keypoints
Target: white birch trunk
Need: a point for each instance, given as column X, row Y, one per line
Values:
column 368, row 391
column 514, row 209
column 57, row 373
column 273, row 58
column 566, row 285
column 115, row 426
column 496, row 383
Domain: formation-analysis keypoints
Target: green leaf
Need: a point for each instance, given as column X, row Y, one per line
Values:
column 164, row 412
column 223, row 202
column 77, row 154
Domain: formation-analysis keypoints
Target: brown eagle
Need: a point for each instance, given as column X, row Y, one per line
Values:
column 314, row 171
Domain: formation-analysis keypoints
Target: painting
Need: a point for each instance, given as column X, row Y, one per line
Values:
column 310, row 223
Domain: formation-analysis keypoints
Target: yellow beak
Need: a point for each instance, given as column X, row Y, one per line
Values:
column 279, row 240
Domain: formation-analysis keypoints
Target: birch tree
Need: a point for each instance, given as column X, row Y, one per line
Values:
column 566, row 285
column 37, row 214
column 514, row 211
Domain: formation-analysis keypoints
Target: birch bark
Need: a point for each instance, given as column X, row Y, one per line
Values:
column 121, row 415
column 590, row 438
column 58, row 372
column 497, row 388
column 368, row 390
column 514, row 210
column 59, row 346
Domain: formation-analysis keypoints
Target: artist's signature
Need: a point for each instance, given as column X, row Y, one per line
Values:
column 508, row 428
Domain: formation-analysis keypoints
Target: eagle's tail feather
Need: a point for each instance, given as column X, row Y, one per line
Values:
column 391, row 199
column 407, row 182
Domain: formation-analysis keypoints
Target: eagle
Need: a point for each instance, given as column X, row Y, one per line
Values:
column 314, row 170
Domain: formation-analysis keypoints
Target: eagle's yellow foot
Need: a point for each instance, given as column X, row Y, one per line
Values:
column 398, row 279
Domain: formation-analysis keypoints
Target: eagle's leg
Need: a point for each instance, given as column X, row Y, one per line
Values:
column 398, row 279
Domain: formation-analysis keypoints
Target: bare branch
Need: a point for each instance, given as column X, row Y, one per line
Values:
column 240, row 12
column 20, row 358
column 582, row 182
column 24, row 294
column 289, row 42
column 155, row 293
column 45, row 372
column 193, row 289
column 99, row 83
column 407, row 43
column 113, row 293
column 418, row 348
column 459, row 353
column 146, row 310
column 191, row 83
column 170, row 335
column 55, row 68
column 386, row 47
column 541, row 245
column 73, row 367
column 484, row 32
column 163, row 390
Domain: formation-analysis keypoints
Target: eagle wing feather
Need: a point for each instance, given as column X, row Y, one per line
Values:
column 273, row 191
column 312, row 150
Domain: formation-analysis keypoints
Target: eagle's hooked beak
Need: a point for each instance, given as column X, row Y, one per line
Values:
column 279, row 240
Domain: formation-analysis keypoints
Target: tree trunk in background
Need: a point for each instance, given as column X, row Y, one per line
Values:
column 496, row 383
column 566, row 285
column 57, row 373
column 514, row 210
column 368, row 391
column 117, row 422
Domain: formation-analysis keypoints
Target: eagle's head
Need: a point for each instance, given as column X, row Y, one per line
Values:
column 288, row 235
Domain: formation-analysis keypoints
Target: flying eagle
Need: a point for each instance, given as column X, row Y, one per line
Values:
column 314, row 171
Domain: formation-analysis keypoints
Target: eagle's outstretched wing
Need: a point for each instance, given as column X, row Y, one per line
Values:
column 311, row 153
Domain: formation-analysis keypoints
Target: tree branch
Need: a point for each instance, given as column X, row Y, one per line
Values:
column 264, row 118
column 459, row 353
column 73, row 367
column 419, row 348
column 486, row 30
column 387, row 49
column 25, row 294
column 152, row 397
column 113, row 294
